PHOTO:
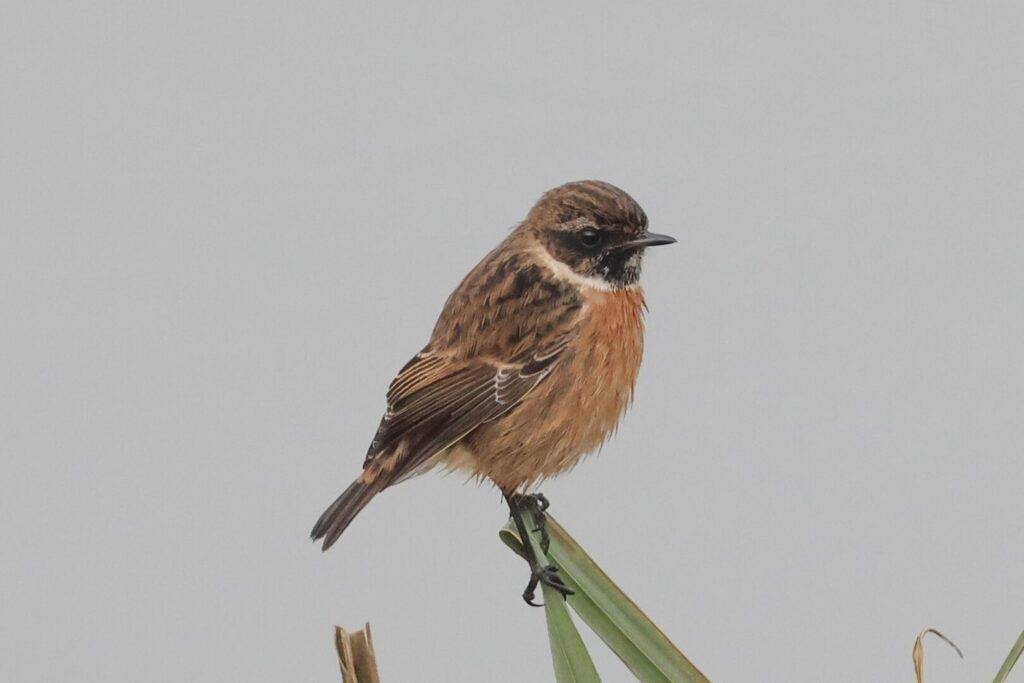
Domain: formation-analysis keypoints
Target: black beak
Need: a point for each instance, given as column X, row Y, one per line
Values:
column 651, row 239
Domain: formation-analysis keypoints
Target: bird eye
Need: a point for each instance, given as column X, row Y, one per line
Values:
column 590, row 237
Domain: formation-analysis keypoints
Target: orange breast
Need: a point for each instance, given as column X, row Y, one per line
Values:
column 573, row 410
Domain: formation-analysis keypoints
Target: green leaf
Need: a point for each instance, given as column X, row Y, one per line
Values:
column 510, row 537
column 1011, row 659
column 627, row 631
column 568, row 653
column 616, row 619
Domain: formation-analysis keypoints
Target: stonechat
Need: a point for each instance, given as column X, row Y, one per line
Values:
column 531, row 364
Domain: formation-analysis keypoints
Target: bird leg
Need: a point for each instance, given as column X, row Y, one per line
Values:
column 539, row 573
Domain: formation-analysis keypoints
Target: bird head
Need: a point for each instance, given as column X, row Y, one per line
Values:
column 594, row 231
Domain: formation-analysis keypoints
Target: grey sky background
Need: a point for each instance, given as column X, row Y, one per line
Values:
column 225, row 225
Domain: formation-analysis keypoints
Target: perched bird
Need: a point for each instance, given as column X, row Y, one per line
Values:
column 531, row 364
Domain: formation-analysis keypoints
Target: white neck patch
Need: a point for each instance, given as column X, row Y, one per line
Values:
column 567, row 274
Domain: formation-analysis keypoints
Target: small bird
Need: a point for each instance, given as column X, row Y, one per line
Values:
column 530, row 366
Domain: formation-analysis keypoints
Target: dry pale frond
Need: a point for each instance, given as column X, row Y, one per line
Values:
column 918, row 653
column 356, row 656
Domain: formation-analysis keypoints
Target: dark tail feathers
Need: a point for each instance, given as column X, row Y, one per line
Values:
column 340, row 514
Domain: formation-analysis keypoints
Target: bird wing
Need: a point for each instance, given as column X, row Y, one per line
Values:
column 437, row 399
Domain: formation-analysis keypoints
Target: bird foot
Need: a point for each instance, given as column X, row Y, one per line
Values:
column 549, row 577
column 540, row 500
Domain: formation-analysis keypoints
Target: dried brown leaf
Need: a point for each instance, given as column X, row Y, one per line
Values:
column 356, row 657
column 918, row 653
